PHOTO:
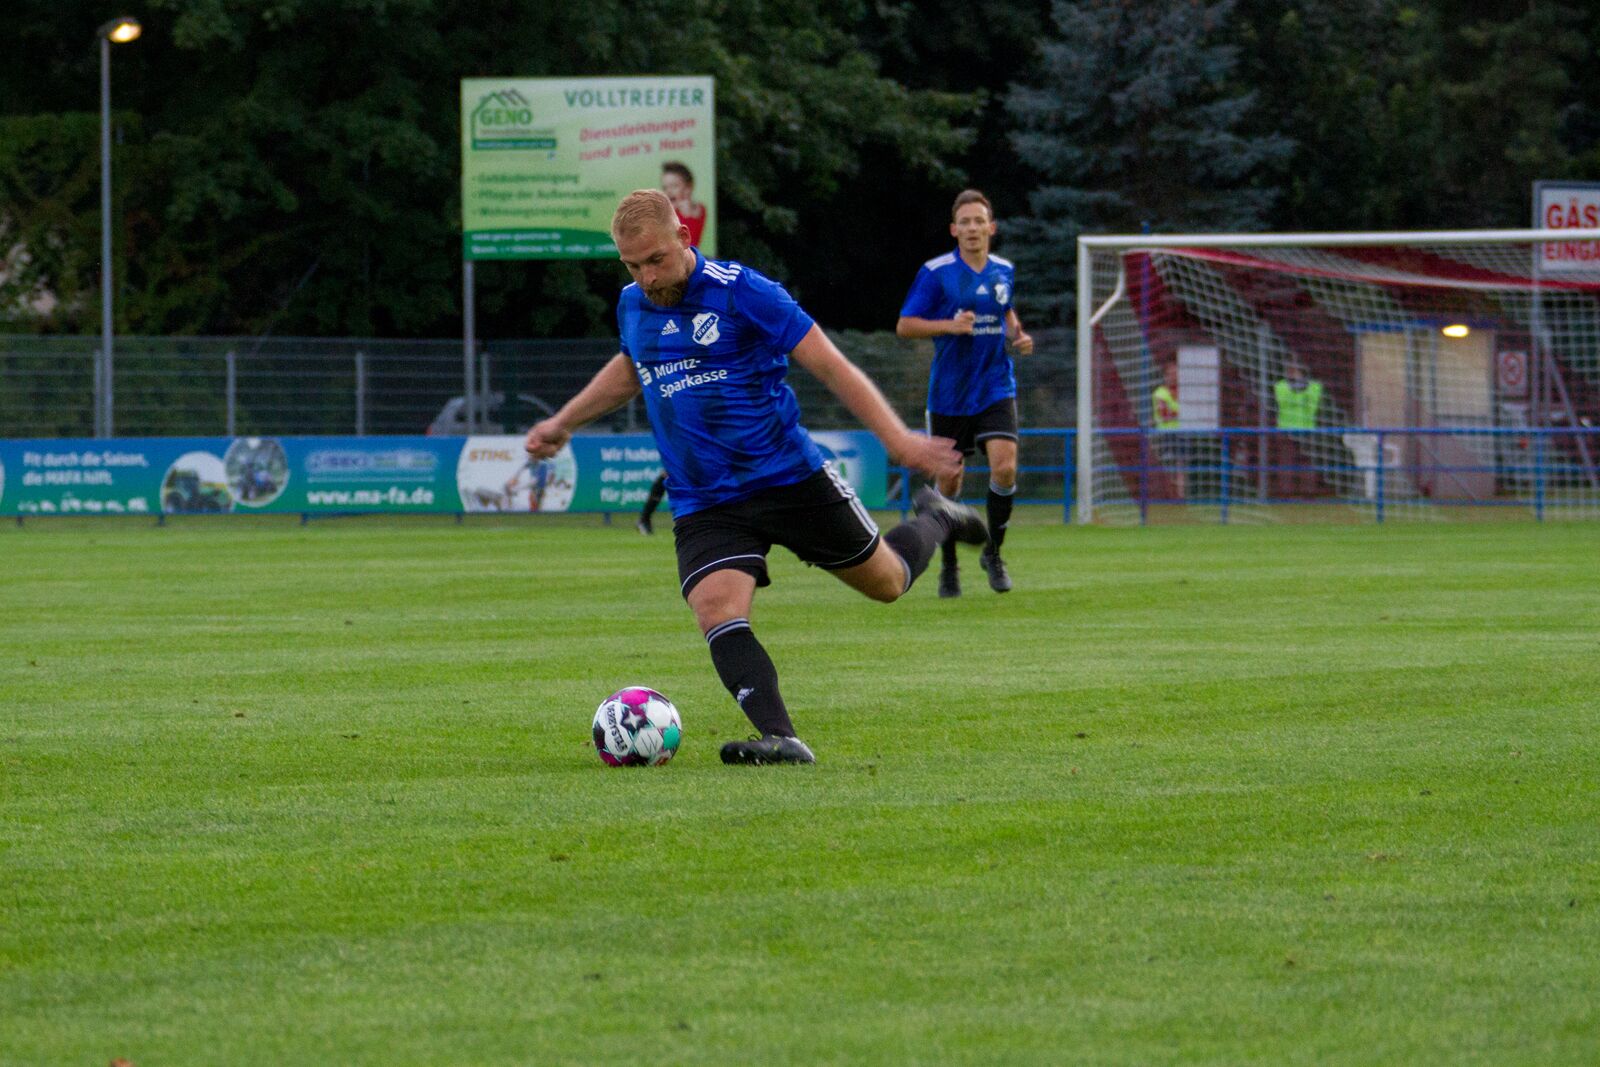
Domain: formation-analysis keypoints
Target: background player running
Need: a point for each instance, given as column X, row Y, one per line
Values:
column 965, row 301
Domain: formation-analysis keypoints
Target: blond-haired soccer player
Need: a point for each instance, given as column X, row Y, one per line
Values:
column 709, row 343
column 966, row 301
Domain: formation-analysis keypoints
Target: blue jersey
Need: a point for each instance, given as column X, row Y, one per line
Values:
column 712, row 368
column 969, row 373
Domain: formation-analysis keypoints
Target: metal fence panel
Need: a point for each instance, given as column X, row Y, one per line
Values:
column 198, row 386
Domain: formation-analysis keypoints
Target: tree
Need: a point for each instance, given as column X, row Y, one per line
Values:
column 1138, row 118
column 1408, row 116
column 297, row 170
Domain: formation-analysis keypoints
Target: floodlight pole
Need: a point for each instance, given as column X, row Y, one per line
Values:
column 102, row 425
column 121, row 30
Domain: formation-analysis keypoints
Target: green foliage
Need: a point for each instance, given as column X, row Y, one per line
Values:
column 50, row 220
column 1409, row 116
column 1139, row 118
column 290, row 166
column 299, row 171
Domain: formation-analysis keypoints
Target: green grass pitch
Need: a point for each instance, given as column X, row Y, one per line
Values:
column 325, row 795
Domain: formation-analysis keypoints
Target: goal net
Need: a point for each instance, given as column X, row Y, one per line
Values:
column 1355, row 376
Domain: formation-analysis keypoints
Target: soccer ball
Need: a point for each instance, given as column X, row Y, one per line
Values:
column 636, row 727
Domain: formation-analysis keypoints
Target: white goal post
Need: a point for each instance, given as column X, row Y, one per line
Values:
column 1368, row 375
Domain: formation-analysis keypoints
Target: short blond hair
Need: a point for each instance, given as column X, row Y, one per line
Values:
column 641, row 209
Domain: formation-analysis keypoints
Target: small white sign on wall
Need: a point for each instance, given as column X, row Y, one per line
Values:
column 1199, row 387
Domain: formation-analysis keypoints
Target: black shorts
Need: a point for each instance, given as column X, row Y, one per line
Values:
column 818, row 518
column 970, row 431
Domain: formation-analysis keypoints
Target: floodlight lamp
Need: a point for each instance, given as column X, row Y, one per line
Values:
column 121, row 30
column 1456, row 329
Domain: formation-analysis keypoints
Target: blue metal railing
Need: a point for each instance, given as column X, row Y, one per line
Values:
column 1365, row 467
column 1498, row 467
column 1067, row 469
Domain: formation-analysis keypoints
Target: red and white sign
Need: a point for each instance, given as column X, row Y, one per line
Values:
column 1511, row 373
column 1567, row 206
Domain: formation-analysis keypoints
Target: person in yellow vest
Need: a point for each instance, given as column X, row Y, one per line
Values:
column 1173, row 449
column 1298, row 397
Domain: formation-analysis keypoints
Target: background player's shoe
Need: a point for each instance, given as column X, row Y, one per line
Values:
column 949, row 582
column 767, row 749
column 962, row 522
column 995, row 568
column 644, row 526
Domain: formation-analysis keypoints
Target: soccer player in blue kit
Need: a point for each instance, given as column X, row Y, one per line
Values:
column 965, row 301
column 709, row 342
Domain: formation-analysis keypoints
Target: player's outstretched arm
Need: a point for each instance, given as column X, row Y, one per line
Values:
column 932, row 455
column 614, row 385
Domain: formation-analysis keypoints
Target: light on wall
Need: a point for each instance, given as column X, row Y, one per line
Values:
column 1456, row 329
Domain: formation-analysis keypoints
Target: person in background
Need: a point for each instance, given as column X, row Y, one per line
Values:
column 1298, row 399
column 1173, row 449
column 677, row 181
column 658, row 489
column 965, row 301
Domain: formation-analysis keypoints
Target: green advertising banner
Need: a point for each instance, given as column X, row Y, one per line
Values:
column 545, row 160
column 348, row 475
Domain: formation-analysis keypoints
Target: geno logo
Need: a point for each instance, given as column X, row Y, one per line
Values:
column 504, row 120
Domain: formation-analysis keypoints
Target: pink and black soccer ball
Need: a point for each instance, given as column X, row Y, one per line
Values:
column 637, row 727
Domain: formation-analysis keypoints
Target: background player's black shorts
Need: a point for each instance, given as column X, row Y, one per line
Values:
column 970, row 431
column 818, row 518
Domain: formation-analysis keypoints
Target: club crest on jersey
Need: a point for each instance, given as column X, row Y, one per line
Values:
column 669, row 329
column 705, row 328
column 1002, row 292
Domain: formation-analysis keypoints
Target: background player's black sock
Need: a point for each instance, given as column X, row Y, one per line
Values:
column 914, row 542
column 747, row 671
column 947, row 553
column 653, row 501
column 999, row 514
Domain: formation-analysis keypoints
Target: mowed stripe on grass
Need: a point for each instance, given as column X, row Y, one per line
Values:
column 1201, row 795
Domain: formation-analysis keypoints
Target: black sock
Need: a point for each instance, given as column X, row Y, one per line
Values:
column 653, row 501
column 747, row 671
column 914, row 542
column 947, row 553
column 999, row 515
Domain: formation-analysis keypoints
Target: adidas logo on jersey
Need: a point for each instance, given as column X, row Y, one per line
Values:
column 983, row 290
column 670, row 328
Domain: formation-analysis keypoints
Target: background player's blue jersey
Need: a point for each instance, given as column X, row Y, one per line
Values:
column 969, row 373
column 712, row 368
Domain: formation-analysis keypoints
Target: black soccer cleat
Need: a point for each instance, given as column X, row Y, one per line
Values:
column 960, row 521
column 995, row 568
column 949, row 582
column 767, row 749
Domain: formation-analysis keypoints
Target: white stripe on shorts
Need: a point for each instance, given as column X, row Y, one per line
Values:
column 713, row 563
column 855, row 502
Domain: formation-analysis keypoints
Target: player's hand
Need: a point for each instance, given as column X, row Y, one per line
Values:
column 933, row 456
column 546, row 438
column 1022, row 344
column 964, row 321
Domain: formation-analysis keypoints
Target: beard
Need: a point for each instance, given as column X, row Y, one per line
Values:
column 667, row 295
